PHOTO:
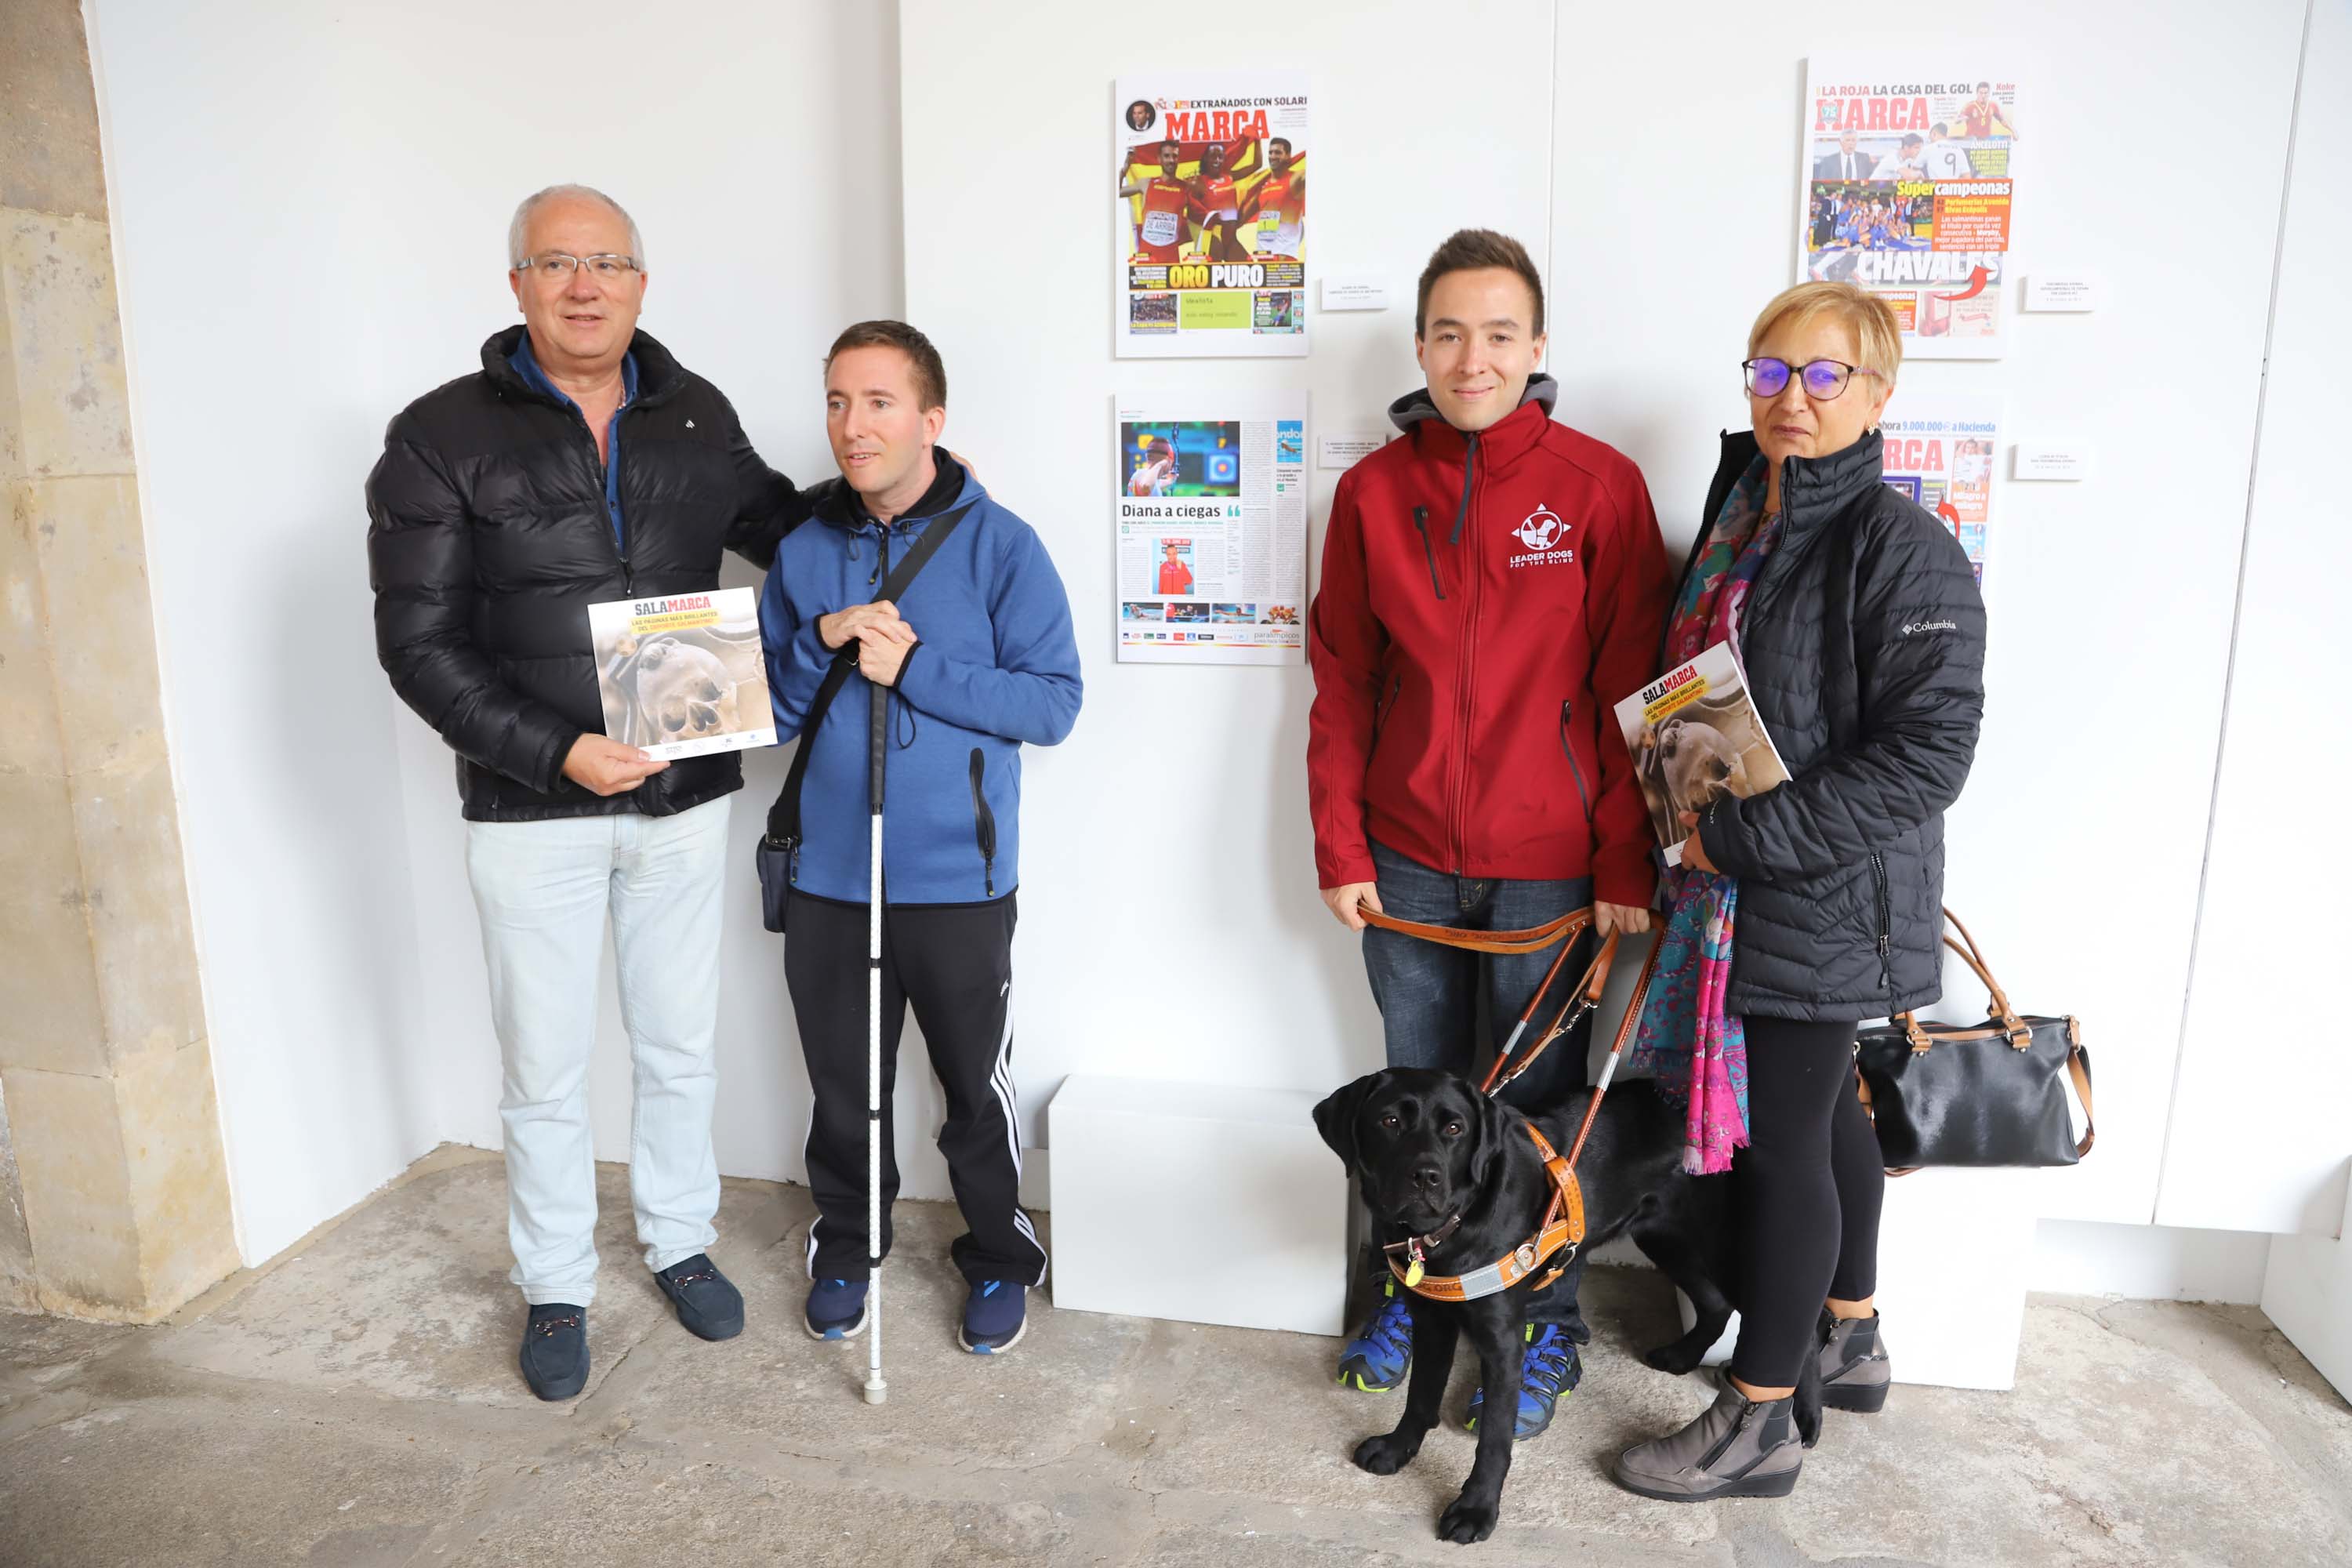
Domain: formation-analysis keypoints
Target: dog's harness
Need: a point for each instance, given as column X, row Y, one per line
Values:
column 1561, row 1230
column 1562, row 1227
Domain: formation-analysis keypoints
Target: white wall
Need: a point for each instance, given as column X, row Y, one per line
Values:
column 1170, row 923
column 2286, row 1088
column 310, row 208
column 2258, row 1070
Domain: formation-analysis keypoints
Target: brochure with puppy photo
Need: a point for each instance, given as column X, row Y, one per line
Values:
column 1694, row 735
column 682, row 675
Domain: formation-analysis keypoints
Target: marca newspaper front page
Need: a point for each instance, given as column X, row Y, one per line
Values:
column 1908, row 185
column 1210, row 242
column 682, row 675
column 1211, row 522
column 1939, row 453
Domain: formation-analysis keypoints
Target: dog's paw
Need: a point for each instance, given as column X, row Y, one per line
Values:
column 1386, row 1454
column 1466, row 1523
column 1675, row 1357
column 1809, row 1421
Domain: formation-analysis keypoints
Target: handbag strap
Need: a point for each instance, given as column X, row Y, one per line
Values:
column 784, row 815
column 2012, row 1025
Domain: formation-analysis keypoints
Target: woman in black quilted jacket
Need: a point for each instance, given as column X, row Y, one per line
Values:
column 1805, row 909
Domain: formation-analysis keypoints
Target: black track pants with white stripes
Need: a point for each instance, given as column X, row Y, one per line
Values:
column 954, row 963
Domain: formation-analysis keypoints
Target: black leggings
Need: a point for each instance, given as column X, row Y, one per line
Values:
column 1806, row 1190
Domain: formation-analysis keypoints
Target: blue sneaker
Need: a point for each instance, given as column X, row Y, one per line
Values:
column 836, row 1309
column 1380, row 1354
column 1551, row 1370
column 995, row 1316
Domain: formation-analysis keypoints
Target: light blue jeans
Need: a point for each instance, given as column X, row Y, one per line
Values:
column 543, row 890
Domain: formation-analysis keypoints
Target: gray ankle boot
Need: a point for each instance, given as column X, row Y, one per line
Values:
column 1737, row 1448
column 1854, row 1368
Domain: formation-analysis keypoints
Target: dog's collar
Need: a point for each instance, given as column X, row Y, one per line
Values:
column 1562, row 1227
column 1417, row 1248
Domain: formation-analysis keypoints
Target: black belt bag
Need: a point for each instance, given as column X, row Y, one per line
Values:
column 780, row 848
column 1977, row 1094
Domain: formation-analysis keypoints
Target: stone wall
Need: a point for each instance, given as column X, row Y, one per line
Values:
column 113, row 1187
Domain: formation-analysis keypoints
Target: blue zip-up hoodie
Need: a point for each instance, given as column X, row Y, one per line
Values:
column 996, row 664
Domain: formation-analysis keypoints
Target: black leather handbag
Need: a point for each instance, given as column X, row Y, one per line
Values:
column 1975, row 1094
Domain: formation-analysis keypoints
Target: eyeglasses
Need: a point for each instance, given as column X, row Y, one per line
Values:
column 555, row 264
column 1824, row 378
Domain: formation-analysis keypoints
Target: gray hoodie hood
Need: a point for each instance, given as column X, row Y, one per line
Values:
column 1417, row 404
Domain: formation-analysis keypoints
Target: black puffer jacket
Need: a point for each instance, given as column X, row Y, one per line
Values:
column 488, row 539
column 1863, row 641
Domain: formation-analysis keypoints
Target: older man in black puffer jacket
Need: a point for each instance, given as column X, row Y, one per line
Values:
column 581, row 464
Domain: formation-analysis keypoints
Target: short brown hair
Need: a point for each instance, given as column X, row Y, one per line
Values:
column 931, row 375
column 1468, row 250
column 1877, row 331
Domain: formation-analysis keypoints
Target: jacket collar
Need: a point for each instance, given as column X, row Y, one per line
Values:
column 660, row 375
column 839, row 506
column 1812, row 489
column 1501, row 443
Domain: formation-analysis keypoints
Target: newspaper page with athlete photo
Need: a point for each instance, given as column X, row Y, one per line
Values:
column 683, row 675
column 1939, row 452
column 1908, row 186
column 1210, row 525
column 1209, row 231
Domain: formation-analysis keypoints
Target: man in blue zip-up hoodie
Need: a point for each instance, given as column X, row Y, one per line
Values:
column 981, row 657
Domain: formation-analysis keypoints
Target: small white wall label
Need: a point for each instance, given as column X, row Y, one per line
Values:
column 1346, row 448
column 2071, row 291
column 1354, row 291
column 2050, row 460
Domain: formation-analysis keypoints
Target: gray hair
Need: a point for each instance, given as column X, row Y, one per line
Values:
column 531, row 204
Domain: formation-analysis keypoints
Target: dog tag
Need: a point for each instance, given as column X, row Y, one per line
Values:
column 1412, row 1274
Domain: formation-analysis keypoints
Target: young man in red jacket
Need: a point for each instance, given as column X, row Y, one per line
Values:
column 1493, row 584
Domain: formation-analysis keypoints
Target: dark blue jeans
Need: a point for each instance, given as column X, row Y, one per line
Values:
column 1428, row 996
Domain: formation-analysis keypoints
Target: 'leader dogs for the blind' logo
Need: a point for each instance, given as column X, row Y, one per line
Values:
column 1538, row 534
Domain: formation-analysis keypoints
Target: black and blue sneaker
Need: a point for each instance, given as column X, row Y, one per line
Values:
column 995, row 1316
column 1551, row 1368
column 1380, row 1354
column 836, row 1309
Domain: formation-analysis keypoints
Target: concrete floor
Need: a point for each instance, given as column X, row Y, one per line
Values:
column 356, row 1403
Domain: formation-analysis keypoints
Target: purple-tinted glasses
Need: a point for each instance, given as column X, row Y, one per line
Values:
column 1824, row 378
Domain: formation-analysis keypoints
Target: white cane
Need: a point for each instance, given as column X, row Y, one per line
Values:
column 878, row 730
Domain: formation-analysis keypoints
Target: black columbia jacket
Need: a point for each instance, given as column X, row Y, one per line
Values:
column 488, row 539
column 1864, row 643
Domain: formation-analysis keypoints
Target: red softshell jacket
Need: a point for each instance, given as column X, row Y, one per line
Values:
column 1485, row 602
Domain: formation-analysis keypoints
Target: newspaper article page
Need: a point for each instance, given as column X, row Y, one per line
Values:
column 1208, row 246
column 683, row 675
column 1210, row 525
column 1907, row 188
column 1939, row 452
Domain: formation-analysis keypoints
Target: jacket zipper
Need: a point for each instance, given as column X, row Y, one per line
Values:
column 1567, row 712
column 1428, row 550
column 983, row 822
column 620, row 540
column 1469, row 474
column 1466, row 683
column 1885, row 928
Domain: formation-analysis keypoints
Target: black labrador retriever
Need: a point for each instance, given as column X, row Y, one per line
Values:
column 1426, row 1146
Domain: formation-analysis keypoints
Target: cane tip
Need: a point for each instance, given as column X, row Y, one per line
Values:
column 877, row 1393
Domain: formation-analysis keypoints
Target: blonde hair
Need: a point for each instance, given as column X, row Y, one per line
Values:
column 1877, row 334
